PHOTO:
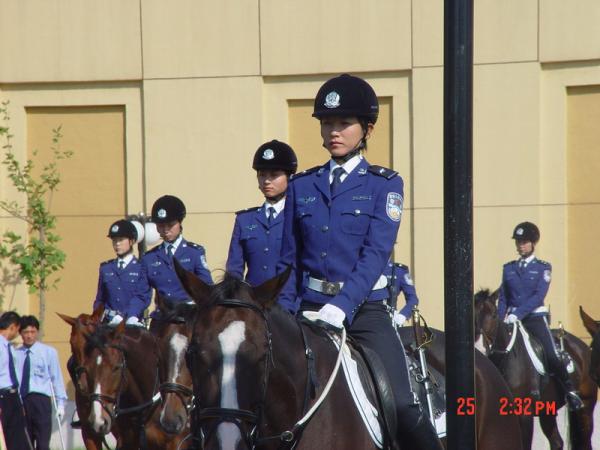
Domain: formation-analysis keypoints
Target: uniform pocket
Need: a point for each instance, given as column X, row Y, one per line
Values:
column 356, row 221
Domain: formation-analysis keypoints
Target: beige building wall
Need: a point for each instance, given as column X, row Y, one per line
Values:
column 202, row 84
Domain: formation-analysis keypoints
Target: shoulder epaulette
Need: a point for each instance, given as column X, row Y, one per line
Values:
column 402, row 266
column 153, row 249
column 305, row 172
column 510, row 262
column 546, row 263
column 247, row 210
column 383, row 172
column 106, row 262
column 194, row 245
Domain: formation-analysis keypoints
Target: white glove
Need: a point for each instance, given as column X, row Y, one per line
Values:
column 60, row 412
column 133, row 320
column 332, row 315
column 511, row 319
column 116, row 320
column 398, row 319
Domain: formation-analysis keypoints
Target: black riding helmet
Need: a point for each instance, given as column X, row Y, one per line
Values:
column 526, row 231
column 275, row 155
column 347, row 96
column 168, row 208
column 122, row 228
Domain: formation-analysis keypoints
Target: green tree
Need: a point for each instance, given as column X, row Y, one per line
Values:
column 36, row 256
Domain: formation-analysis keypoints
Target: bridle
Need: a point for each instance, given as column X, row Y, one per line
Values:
column 238, row 417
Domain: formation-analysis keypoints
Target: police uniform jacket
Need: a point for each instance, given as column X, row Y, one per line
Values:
column 523, row 289
column 346, row 237
column 161, row 273
column 255, row 245
column 399, row 280
column 123, row 290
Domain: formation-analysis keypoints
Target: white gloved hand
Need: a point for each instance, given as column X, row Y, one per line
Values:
column 60, row 412
column 398, row 319
column 332, row 315
column 133, row 320
column 511, row 319
column 116, row 320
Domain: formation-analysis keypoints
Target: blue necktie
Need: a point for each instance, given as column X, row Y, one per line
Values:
column 170, row 250
column 337, row 178
column 121, row 264
column 24, row 390
column 11, row 368
column 271, row 215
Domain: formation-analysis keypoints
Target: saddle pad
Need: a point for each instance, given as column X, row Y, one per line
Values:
column 368, row 412
column 535, row 359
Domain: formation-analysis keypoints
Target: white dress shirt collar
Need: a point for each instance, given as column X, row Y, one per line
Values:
column 348, row 166
column 279, row 205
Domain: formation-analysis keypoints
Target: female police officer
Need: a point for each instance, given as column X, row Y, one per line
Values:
column 168, row 213
column 341, row 222
column 525, row 283
column 122, row 285
column 256, row 239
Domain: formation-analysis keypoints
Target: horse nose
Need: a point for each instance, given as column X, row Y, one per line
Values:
column 173, row 426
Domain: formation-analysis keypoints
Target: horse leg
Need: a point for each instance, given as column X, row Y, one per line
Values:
column 550, row 429
column 526, row 424
column 581, row 426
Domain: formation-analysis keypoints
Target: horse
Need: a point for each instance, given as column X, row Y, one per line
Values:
column 255, row 374
column 494, row 431
column 173, row 330
column 530, row 388
column 80, row 326
column 593, row 327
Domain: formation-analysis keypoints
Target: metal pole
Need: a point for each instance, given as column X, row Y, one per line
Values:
column 458, row 222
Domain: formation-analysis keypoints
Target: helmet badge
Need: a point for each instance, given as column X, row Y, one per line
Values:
column 161, row 213
column 114, row 228
column 519, row 232
column 268, row 154
column 332, row 100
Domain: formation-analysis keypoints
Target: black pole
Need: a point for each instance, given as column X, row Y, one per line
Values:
column 458, row 223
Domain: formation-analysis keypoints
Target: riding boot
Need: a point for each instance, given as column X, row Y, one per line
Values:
column 422, row 437
column 573, row 399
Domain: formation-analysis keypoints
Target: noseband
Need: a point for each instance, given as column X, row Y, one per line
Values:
column 231, row 415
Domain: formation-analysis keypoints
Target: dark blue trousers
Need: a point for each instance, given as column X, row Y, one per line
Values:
column 38, row 414
column 13, row 422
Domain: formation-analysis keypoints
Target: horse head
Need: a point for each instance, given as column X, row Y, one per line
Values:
column 593, row 327
column 104, row 366
column 486, row 320
column 173, row 330
column 230, row 357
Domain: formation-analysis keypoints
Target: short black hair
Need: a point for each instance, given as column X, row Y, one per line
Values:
column 29, row 321
column 9, row 318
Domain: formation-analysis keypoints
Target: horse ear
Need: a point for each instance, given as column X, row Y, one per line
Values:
column 194, row 286
column 96, row 316
column 590, row 324
column 70, row 320
column 268, row 292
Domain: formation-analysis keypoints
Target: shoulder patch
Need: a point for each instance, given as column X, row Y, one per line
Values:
column 304, row 172
column 384, row 172
column 241, row 211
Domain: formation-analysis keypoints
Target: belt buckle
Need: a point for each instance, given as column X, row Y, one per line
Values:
column 330, row 288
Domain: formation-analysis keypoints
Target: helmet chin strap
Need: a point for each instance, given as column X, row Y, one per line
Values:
column 352, row 153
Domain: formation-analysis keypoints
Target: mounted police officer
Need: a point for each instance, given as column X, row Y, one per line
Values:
column 341, row 222
column 168, row 213
column 122, row 285
column 525, row 283
column 399, row 280
column 256, row 239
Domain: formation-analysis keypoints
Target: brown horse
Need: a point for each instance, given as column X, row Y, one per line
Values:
column 494, row 431
column 525, row 383
column 593, row 327
column 252, row 374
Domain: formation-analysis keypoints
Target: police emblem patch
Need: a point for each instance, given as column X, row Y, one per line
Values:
column 394, row 206
column 547, row 276
column 332, row 100
column 114, row 228
column 203, row 261
column 161, row 213
column 408, row 279
column 519, row 232
column 268, row 154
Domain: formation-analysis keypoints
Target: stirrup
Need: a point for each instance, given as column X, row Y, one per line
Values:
column 574, row 401
column 76, row 424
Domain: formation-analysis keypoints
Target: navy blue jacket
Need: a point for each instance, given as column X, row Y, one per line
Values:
column 126, row 291
column 347, row 237
column 161, row 273
column 524, row 289
column 255, row 245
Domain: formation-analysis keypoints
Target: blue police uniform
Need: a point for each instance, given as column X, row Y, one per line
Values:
column 255, row 245
column 159, row 268
column 399, row 279
column 124, row 291
column 339, row 245
column 524, row 286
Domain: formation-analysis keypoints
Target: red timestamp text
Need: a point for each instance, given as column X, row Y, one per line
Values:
column 465, row 406
column 525, row 407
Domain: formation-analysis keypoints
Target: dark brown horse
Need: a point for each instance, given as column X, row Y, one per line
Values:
column 251, row 373
column 527, row 386
column 494, row 431
column 593, row 327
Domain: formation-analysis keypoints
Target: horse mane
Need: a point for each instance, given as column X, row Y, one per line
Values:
column 485, row 294
column 228, row 288
column 97, row 338
column 180, row 310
